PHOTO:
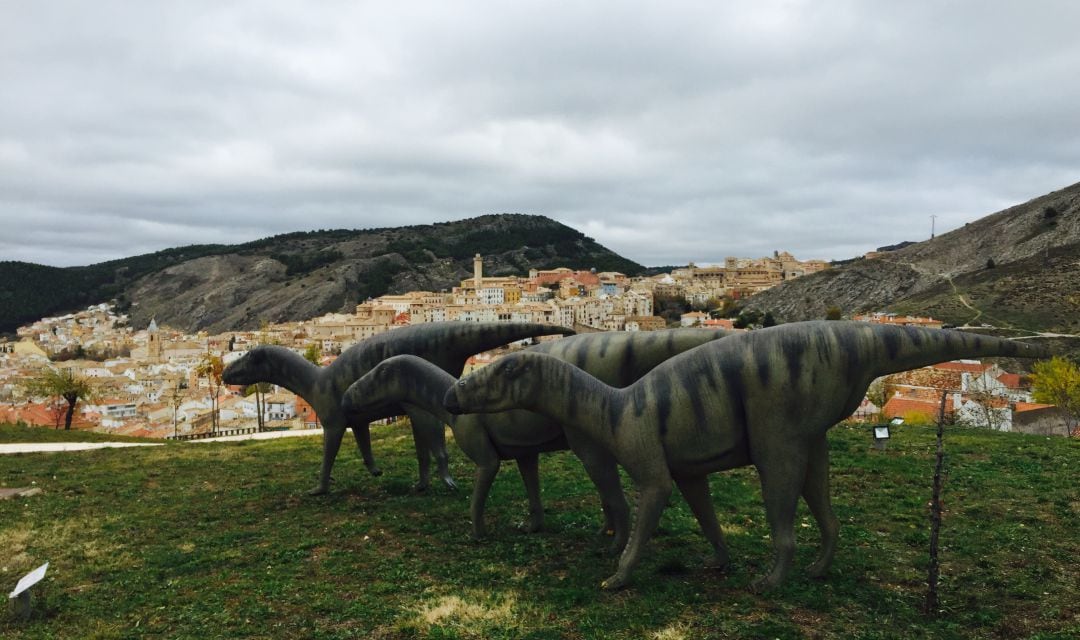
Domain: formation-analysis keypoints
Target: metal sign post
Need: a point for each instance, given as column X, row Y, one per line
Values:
column 21, row 594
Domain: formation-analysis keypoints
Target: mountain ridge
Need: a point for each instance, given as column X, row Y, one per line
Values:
column 298, row 275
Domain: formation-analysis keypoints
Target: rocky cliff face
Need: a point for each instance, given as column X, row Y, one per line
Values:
column 1016, row 268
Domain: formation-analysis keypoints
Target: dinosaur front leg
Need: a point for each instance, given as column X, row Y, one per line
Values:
column 332, row 436
column 362, row 435
column 429, row 438
column 651, row 503
column 485, row 475
column 816, row 495
column 529, row 468
column 696, row 491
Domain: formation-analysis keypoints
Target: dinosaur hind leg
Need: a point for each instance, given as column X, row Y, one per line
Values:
column 782, row 467
column 816, row 495
column 651, row 502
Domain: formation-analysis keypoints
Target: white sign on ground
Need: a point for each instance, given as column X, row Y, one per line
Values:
column 29, row 580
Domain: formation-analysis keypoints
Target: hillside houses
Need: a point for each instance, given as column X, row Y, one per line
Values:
column 148, row 383
column 976, row 394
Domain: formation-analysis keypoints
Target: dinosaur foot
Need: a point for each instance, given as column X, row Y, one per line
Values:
column 818, row 569
column 375, row 471
column 717, row 562
column 763, row 584
column 319, row 491
column 614, row 583
column 534, row 525
column 449, row 482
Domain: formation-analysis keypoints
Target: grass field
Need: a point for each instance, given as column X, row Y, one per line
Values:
column 220, row 541
column 17, row 433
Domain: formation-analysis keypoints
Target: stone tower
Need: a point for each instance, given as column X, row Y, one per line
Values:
column 478, row 272
column 153, row 342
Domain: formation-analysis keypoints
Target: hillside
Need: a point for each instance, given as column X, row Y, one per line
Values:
column 298, row 275
column 1018, row 268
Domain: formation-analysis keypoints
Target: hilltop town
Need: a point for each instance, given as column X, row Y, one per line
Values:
column 150, row 381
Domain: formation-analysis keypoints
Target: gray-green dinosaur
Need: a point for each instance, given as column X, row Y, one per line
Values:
column 446, row 344
column 616, row 358
column 765, row 398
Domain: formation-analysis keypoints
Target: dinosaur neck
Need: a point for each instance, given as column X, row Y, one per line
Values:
column 423, row 384
column 576, row 399
column 290, row 370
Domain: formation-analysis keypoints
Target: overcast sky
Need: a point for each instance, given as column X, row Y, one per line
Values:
column 669, row 132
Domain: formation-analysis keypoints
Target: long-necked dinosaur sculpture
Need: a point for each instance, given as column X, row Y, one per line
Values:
column 765, row 398
column 616, row 358
column 446, row 344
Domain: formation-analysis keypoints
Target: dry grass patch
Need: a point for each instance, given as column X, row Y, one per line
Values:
column 470, row 615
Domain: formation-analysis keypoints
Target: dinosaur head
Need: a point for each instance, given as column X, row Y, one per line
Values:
column 373, row 392
column 248, row 369
column 512, row 382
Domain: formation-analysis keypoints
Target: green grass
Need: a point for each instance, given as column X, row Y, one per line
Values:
column 220, row 541
column 10, row 433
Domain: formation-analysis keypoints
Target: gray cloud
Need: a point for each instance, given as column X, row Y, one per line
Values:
column 691, row 132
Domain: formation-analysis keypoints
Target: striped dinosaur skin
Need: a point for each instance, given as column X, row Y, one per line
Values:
column 617, row 358
column 765, row 398
column 446, row 344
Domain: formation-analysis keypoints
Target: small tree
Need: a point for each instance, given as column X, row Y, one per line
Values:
column 877, row 393
column 1057, row 381
column 313, row 353
column 747, row 319
column 62, row 384
column 980, row 390
column 176, row 398
column 259, row 389
column 211, row 368
column 833, row 313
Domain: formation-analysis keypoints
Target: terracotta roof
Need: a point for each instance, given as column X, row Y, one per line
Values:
column 1013, row 381
column 41, row 415
column 964, row 367
column 1031, row 406
column 898, row 407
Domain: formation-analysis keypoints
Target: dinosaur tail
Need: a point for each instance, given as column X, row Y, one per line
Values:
column 889, row 349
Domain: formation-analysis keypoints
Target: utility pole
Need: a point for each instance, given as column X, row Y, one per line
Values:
column 933, row 219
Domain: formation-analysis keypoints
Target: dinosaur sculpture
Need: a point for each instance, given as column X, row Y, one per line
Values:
column 616, row 358
column 445, row 344
column 765, row 398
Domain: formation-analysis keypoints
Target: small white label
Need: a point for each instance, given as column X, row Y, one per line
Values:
column 29, row 580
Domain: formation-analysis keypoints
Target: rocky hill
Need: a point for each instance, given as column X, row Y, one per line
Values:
column 1018, row 268
column 298, row 275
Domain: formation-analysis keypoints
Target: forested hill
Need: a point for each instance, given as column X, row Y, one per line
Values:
column 298, row 275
